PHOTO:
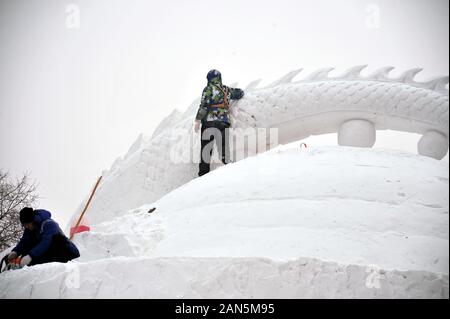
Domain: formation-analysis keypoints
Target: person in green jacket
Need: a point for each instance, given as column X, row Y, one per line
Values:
column 214, row 116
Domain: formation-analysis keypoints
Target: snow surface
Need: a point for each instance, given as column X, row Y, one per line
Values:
column 289, row 223
column 223, row 277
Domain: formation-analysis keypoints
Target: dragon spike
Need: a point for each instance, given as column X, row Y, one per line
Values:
column 252, row 85
column 408, row 75
column 353, row 72
column 286, row 78
column 437, row 84
column 382, row 73
column 320, row 74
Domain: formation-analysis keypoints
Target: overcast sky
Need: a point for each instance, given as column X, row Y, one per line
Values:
column 80, row 80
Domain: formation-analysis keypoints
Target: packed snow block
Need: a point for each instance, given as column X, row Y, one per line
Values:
column 433, row 144
column 358, row 133
column 20, row 284
column 219, row 278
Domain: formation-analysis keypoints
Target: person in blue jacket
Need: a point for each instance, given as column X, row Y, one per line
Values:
column 42, row 240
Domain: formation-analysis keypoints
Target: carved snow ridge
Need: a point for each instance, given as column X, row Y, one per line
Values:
column 437, row 84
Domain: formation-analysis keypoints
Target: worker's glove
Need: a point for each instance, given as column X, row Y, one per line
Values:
column 25, row 261
column 12, row 255
column 239, row 94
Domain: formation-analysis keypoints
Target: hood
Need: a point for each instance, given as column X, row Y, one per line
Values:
column 41, row 215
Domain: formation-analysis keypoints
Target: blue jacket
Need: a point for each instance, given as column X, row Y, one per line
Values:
column 37, row 241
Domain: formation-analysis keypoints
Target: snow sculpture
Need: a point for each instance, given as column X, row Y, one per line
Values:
column 352, row 105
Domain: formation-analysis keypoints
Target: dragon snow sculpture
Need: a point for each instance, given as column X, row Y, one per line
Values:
column 351, row 105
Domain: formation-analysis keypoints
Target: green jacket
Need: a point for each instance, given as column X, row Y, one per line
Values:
column 213, row 95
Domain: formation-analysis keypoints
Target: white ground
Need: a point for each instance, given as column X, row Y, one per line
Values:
column 326, row 222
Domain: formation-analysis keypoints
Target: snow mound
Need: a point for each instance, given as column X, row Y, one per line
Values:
column 327, row 222
column 178, row 277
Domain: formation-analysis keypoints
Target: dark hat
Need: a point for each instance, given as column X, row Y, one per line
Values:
column 26, row 215
column 213, row 74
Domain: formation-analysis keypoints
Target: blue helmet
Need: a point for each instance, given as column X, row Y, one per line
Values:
column 213, row 74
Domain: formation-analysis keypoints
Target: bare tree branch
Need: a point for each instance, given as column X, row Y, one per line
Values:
column 14, row 195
